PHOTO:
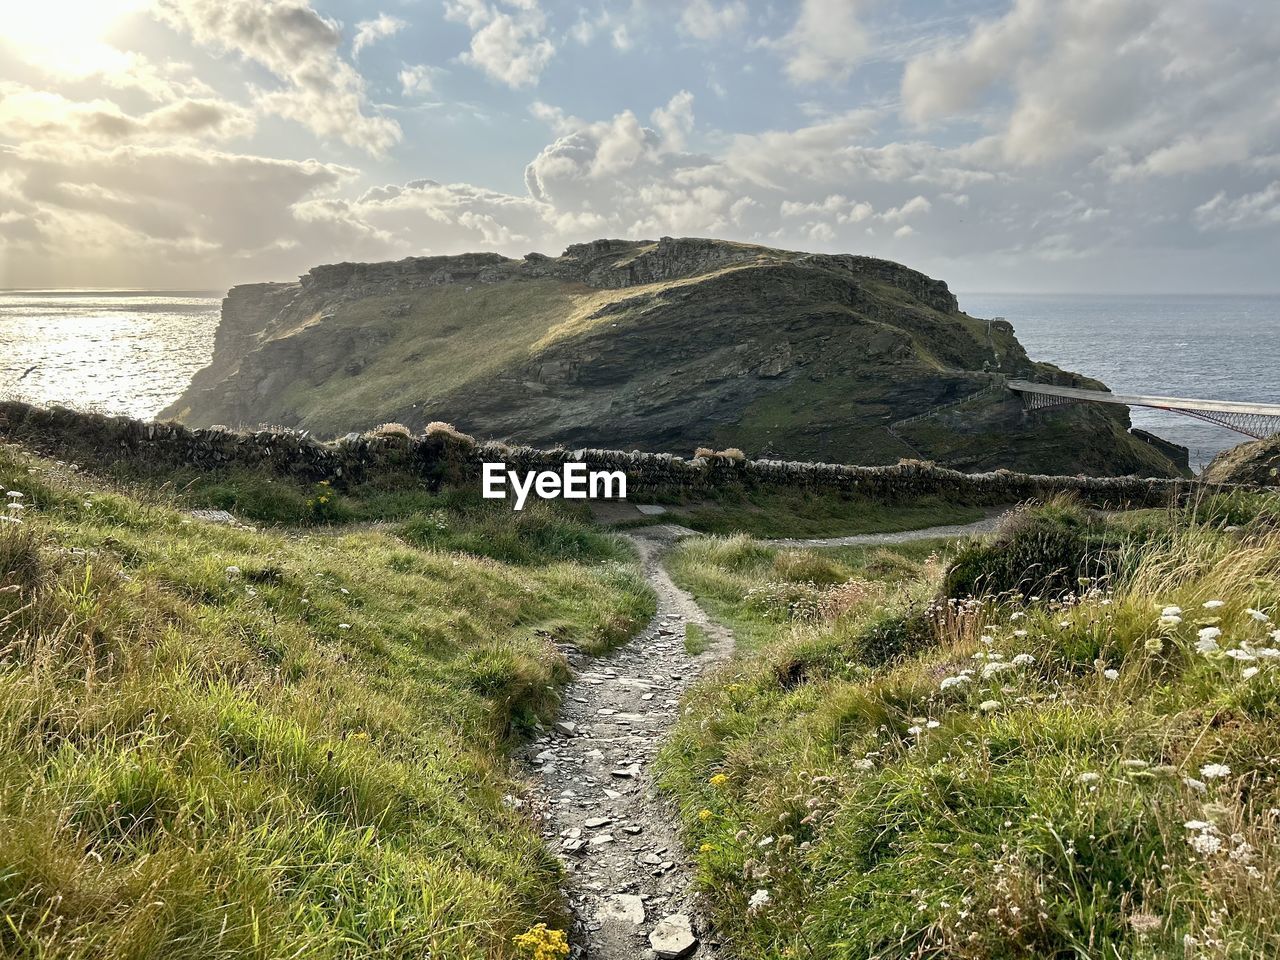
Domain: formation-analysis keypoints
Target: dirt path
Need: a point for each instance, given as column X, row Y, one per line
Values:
column 985, row 525
column 628, row 883
column 628, row 878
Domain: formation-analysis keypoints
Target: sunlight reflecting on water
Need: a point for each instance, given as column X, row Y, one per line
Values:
column 129, row 352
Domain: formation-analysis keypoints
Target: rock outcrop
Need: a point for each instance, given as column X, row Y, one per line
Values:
column 660, row 345
column 1256, row 462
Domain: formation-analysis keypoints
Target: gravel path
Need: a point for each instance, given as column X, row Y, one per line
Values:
column 985, row 525
column 629, row 884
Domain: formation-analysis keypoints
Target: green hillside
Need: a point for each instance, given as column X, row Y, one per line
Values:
column 661, row 346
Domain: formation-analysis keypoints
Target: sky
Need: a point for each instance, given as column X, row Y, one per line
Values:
column 1001, row 145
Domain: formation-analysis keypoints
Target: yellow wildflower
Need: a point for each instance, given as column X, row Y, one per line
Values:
column 719, row 780
column 539, row 943
column 704, row 815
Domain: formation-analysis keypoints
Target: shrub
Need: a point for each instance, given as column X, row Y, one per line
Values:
column 438, row 428
column 391, row 430
column 806, row 565
column 732, row 453
column 703, row 453
column 1046, row 551
column 324, row 506
column 892, row 635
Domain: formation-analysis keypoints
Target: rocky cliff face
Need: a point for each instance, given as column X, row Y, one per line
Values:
column 660, row 345
column 1254, row 462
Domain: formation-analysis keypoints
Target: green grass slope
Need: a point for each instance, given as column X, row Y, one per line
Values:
column 222, row 742
column 891, row 775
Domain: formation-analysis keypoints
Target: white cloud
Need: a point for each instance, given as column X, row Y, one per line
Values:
column 416, row 81
column 1258, row 209
column 1148, row 87
column 129, row 213
column 299, row 46
column 675, row 120
column 33, row 115
column 509, row 43
column 707, row 20
column 369, row 32
column 826, row 42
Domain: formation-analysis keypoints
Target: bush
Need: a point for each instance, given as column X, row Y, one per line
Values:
column 806, row 565
column 438, row 428
column 1046, row 551
column 892, row 635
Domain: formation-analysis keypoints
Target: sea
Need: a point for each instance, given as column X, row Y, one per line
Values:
column 134, row 351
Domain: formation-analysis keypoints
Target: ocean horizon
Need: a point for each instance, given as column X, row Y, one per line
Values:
column 132, row 351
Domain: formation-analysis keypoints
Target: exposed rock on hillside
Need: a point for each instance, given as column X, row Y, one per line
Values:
column 657, row 345
column 1257, row 461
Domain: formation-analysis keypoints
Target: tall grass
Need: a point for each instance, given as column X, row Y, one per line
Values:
column 1085, row 776
column 218, row 743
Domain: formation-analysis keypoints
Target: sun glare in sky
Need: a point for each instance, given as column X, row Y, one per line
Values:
column 66, row 36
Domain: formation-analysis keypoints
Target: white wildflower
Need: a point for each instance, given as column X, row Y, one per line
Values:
column 949, row 682
column 1207, row 645
column 233, row 571
column 991, row 669
column 1248, row 673
column 1258, row 615
column 863, row 764
column 1023, row 660
column 933, row 724
column 987, row 706
column 1198, row 825
column 1171, row 611
column 1089, row 777
column 344, row 626
column 1111, row 674
column 1212, row 771
column 916, row 730
column 1213, row 604
column 1241, row 654
column 1197, row 785
column 758, row 900
column 1209, row 633
column 1205, row 843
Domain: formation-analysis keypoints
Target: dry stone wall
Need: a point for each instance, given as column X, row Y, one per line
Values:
column 96, row 440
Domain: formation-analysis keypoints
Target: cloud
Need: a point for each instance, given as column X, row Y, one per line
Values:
column 509, row 43
column 1252, row 210
column 416, row 81
column 369, row 32
column 300, row 47
column 135, row 213
column 825, row 43
column 707, row 20
column 32, row 115
column 675, row 120
column 1150, row 87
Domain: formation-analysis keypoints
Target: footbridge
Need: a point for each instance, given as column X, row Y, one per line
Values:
column 1257, row 420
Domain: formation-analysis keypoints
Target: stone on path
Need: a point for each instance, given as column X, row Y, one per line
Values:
column 673, row 937
column 623, row 907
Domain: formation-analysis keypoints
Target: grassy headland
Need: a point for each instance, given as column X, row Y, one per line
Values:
column 897, row 773
column 220, row 742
